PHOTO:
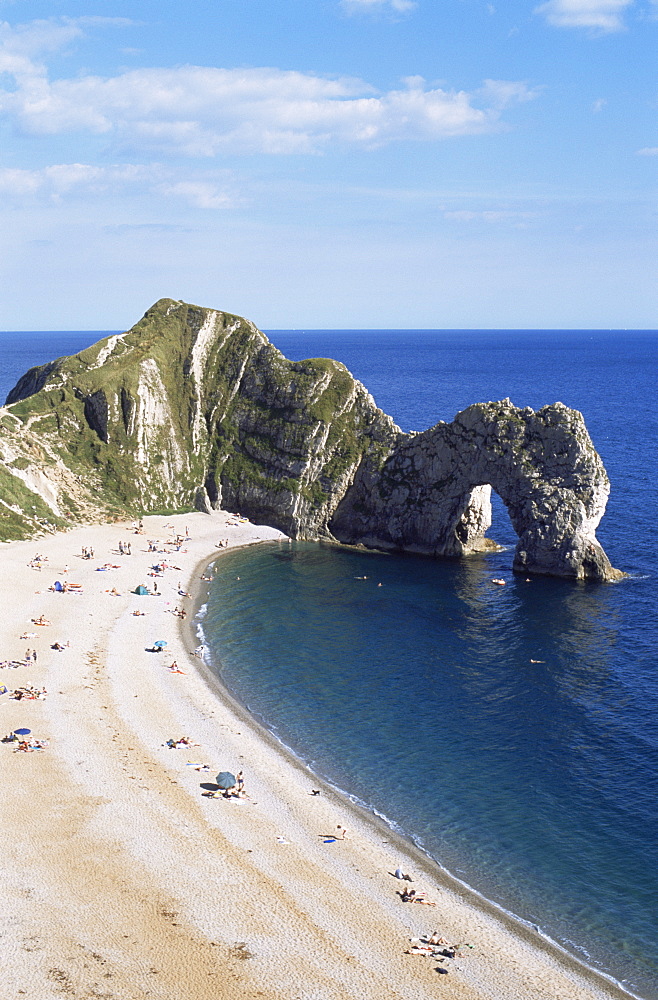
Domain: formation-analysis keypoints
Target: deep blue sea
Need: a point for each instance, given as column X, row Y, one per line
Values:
column 534, row 782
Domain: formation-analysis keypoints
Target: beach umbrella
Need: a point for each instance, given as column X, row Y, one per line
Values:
column 159, row 644
column 225, row 779
column 22, row 732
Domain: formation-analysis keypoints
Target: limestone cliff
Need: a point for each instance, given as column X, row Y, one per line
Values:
column 194, row 407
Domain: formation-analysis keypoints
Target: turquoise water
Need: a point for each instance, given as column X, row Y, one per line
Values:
column 534, row 782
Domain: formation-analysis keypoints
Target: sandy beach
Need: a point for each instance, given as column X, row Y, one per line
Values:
column 122, row 879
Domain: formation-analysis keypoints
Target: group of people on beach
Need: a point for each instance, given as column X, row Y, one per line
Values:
column 31, row 693
column 432, row 945
column 65, row 588
column 429, row 947
column 236, row 791
column 25, row 747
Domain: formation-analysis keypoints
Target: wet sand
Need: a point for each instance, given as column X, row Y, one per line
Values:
column 122, row 879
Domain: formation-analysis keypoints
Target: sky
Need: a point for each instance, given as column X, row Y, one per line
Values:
column 359, row 164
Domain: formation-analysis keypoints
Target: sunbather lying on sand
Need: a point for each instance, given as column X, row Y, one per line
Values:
column 435, row 939
column 28, row 692
column 26, row 747
column 411, row 896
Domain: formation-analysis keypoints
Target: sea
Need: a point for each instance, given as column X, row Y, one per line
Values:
column 510, row 732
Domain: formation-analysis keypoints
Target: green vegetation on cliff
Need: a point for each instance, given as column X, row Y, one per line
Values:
column 194, row 407
column 190, row 406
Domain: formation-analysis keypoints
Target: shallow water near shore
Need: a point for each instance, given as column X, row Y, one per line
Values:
column 534, row 782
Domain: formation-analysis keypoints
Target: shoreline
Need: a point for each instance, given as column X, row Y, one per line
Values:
column 120, row 876
column 404, row 842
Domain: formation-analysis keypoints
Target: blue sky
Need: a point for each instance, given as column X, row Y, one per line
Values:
column 330, row 163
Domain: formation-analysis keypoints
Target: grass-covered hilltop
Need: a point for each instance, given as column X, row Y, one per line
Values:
column 188, row 408
column 194, row 408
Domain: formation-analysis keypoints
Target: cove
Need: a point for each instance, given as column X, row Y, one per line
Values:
column 502, row 728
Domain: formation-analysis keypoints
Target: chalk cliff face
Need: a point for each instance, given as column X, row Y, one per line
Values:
column 194, row 407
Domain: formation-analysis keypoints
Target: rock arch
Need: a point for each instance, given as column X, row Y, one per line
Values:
column 432, row 495
column 194, row 407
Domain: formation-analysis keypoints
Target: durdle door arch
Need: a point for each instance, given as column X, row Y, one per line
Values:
column 433, row 493
column 194, row 407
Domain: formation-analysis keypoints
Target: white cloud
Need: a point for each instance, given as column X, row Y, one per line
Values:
column 20, row 46
column 25, row 42
column 500, row 94
column 601, row 15
column 205, row 111
column 19, row 182
column 598, row 105
column 648, row 151
column 199, row 194
column 80, row 179
column 489, row 216
column 399, row 6
column 61, row 178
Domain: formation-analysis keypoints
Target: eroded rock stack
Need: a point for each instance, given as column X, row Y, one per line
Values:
column 194, row 407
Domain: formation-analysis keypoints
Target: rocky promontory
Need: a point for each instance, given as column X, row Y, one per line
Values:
column 195, row 408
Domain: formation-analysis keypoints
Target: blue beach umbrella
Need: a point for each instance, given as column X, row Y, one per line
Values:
column 225, row 779
column 159, row 644
column 22, row 732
